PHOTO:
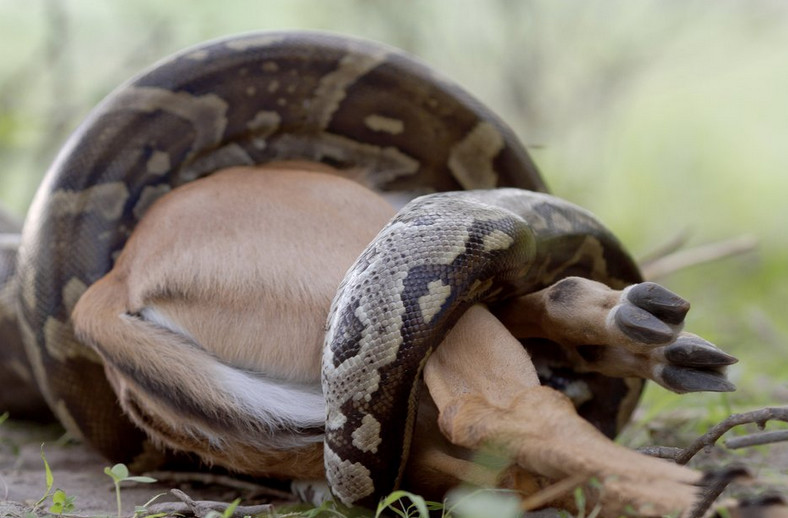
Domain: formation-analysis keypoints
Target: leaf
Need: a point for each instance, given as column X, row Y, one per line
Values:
column 580, row 501
column 120, row 471
column 111, row 474
column 418, row 502
column 140, row 510
column 144, row 480
column 61, row 502
column 327, row 507
column 228, row 513
column 50, row 480
column 59, row 497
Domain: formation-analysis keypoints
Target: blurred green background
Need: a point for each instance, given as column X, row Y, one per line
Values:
column 662, row 117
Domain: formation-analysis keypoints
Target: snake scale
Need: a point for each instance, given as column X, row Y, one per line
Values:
column 348, row 103
column 393, row 309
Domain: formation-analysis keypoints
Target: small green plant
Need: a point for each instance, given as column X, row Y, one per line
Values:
column 396, row 503
column 581, row 501
column 61, row 502
column 120, row 473
column 329, row 507
column 142, row 510
column 6, row 442
column 50, row 480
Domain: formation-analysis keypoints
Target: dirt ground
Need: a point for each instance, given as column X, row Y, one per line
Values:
column 80, row 473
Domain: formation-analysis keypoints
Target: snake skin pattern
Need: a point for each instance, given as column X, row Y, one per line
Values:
column 261, row 97
column 394, row 308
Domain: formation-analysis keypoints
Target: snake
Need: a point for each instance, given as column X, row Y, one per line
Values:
column 349, row 103
column 394, row 308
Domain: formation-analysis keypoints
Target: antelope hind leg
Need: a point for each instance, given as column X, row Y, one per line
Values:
column 210, row 324
column 487, row 393
column 635, row 332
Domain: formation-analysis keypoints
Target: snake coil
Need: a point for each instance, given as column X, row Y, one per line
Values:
column 252, row 99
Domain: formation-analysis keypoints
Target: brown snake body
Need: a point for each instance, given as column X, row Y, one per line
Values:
column 245, row 100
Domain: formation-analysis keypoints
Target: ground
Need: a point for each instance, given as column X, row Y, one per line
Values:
column 80, row 472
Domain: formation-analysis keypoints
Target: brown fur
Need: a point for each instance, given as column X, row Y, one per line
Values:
column 220, row 260
column 242, row 266
column 535, row 425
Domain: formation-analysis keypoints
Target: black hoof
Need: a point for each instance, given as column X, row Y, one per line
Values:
column 681, row 380
column 725, row 475
column 659, row 301
column 640, row 325
column 693, row 351
column 764, row 500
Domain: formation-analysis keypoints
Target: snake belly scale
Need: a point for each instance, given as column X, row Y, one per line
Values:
column 351, row 104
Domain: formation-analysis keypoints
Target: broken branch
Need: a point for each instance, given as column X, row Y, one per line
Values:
column 757, row 439
column 759, row 417
column 660, row 267
column 201, row 508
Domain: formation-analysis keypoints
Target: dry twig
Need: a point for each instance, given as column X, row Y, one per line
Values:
column 661, row 452
column 757, row 439
column 714, row 484
column 660, row 267
column 674, row 244
column 201, row 508
column 258, row 490
column 759, row 417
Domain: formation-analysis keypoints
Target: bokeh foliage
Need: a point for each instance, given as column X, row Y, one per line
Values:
column 660, row 116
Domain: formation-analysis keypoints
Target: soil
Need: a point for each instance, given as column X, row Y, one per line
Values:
column 79, row 472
